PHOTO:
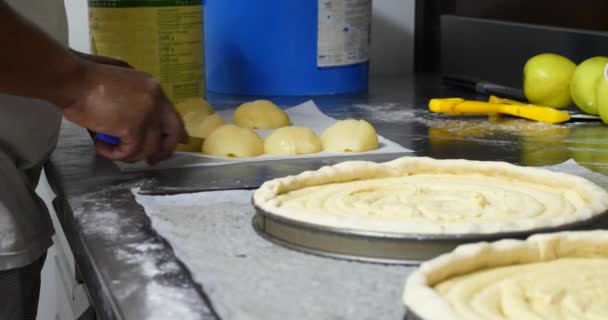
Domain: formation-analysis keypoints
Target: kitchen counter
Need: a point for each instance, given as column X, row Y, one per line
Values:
column 131, row 273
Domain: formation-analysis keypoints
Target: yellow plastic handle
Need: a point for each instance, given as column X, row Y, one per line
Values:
column 461, row 106
column 543, row 114
column 498, row 100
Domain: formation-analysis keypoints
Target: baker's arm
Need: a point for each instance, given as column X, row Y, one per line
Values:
column 100, row 97
column 102, row 59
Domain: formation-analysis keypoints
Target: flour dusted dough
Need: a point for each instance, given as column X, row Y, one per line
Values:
column 232, row 141
column 350, row 136
column 292, row 141
column 423, row 195
column 260, row 114
column 552, row 276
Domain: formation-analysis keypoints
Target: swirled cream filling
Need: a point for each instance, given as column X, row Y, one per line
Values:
column 563, row 289
column 426, row 202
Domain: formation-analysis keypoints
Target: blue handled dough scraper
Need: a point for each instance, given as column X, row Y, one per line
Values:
column 107, row 139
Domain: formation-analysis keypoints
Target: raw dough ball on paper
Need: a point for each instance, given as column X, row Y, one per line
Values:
column 350, row 136
column 193, row 107
column 235, row 142
column 193, row 145
column 202, row 127
column 292, row 141
column 260, row 114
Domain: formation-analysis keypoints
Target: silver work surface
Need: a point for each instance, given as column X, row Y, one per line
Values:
column 133, row 274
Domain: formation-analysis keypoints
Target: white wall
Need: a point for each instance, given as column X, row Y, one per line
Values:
column 78, row 20
column 393, row 26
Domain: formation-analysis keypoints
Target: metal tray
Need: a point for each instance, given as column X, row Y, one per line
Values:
column 381, row 247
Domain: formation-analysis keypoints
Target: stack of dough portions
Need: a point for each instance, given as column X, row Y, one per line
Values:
column 199, row 121
column 241, row 140
column 232, row 141
column 260, row 114
column 350, row 136
column 292, row 141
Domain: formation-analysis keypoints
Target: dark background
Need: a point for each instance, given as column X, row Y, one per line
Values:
column 578, row 14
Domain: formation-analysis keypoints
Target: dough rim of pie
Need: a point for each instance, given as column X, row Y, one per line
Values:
column 420, row 297
column 596, row 196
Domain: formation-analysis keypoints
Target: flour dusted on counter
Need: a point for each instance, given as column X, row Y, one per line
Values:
column 247, row 277
column 99, row 217
column 146, row 257
column 388, row 112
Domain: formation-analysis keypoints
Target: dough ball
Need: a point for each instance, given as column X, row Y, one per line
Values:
column 193, row 107
column 292, row 141
column 193, row 145
column 350, row 136
column 260, row 114
column 201, row 126
column 232, row 141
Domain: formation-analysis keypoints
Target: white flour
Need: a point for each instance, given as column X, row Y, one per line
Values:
column 388, row 112
column 99, row 217
column 247, row 277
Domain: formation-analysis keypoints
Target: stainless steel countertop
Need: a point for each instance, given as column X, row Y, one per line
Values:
column 104, row 224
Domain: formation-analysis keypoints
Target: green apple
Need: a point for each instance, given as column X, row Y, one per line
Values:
column 547, row 80
column 585, row 82
column 601, row 96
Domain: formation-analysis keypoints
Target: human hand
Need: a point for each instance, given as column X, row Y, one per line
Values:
column 127, row 104
column 102, row 59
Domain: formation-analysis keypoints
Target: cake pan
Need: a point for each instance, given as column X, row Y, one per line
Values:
column 382, row 247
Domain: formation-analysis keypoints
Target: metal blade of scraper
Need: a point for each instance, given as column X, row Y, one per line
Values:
column 582, row 117
column 575, row 115
column 249, row 175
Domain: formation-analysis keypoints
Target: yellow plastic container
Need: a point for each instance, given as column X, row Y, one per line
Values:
column 161, row 37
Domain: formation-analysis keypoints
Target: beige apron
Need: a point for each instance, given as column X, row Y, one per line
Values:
column 28, row 134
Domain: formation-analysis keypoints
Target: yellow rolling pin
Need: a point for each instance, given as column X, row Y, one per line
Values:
column 458, row 106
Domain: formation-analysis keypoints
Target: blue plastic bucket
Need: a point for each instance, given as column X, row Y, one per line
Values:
column 270, row 47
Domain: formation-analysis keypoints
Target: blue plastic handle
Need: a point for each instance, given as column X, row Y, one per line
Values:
column 107, row 139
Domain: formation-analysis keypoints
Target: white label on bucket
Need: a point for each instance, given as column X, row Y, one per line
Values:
column 344, row 32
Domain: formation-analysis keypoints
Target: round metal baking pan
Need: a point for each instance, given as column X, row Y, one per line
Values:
column 380, row 247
